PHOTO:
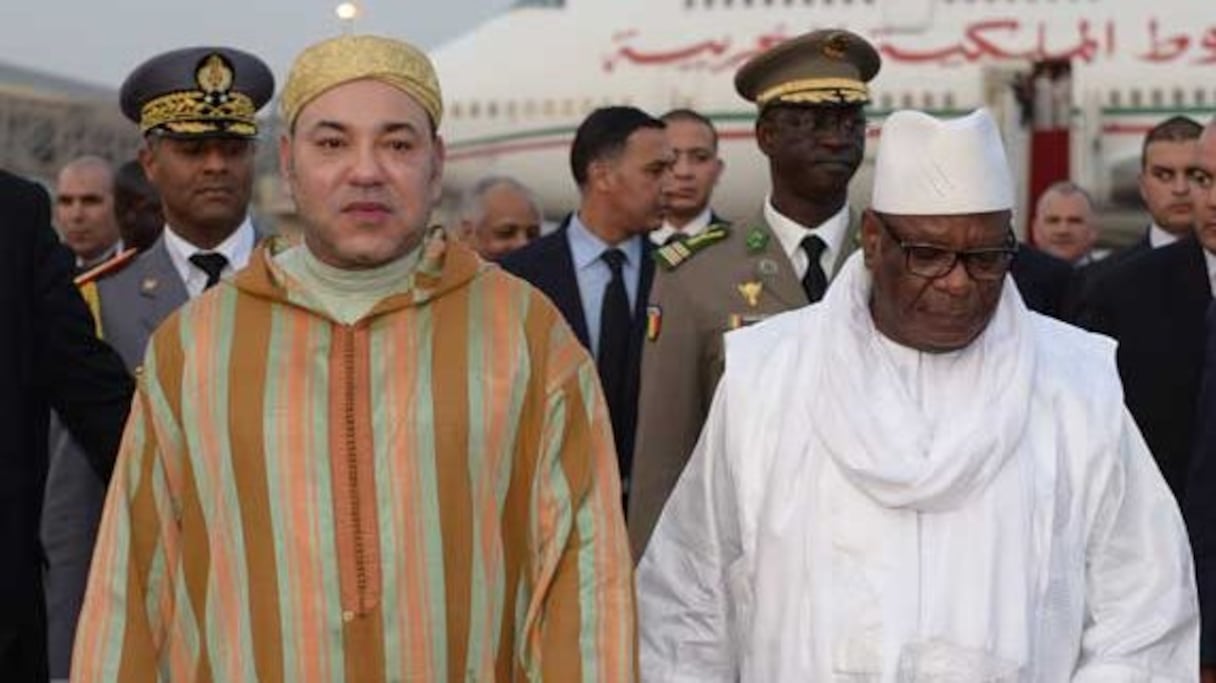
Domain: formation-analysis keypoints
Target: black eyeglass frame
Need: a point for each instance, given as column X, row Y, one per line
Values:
column 933, row 265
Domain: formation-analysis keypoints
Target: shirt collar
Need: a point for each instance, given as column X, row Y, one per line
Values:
column 1210, row 259
column 586, row 247
column 236, row 248
column 693, row 228
column 790, row 233
column 114, row 250
column 1158, row 237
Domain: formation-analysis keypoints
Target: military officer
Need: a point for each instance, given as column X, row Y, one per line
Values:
column 196, row 108
column 811, row 92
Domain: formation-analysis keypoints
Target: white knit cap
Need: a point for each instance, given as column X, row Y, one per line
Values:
column 930, row 167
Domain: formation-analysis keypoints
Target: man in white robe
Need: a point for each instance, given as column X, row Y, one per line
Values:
column 919, row 479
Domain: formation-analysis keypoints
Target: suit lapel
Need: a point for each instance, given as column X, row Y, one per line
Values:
column 783, row 283
column 160, row 287
column 564, row 290
column 1192, row 289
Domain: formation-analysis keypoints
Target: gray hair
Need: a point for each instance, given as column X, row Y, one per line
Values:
column 472, row 205
column 90, row 161
column 1063, row 187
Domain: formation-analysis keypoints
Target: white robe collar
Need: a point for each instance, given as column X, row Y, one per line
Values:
column 927, row 447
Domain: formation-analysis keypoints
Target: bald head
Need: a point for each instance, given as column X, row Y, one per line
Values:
column 84, row 207
column 498, row 216
column 1064, row 222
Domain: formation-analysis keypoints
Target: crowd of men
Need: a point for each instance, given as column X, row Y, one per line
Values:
column 845, row 438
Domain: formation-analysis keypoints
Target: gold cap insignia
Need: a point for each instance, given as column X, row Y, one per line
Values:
column 836, row 46
column 214, row 78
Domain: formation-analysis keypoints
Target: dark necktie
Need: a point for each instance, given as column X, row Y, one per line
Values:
column 210, row 263
column 815, row 281
column 612, row 360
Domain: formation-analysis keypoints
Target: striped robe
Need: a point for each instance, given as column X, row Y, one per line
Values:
column 429, row 494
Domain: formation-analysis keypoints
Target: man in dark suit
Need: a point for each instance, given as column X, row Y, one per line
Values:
column 1165, row 159
column 49, row 358
column 1199, row 501
column 1154, row 306
column 200, row 158
column 597, row 268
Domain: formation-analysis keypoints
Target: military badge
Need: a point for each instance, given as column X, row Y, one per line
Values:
column 836, row 46
column 148, row 285
column 214, row 78
column 756, row 240
column 766, row 267
column 654, row 322
column 751, row 292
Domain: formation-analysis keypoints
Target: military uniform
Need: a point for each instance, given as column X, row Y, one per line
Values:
column 192, row 93
column 728, row 277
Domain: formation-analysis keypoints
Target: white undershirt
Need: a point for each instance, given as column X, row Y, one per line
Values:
column 236, row 248
column 791, row 233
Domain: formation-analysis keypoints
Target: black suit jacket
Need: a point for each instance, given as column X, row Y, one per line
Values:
column 49, row 357
column 549, row 266
column 1199, row 507
column 1042, row 280
column 1154, row 306
column 1087, row 279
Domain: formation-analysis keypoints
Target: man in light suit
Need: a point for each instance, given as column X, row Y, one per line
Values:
column 597, row 267
column 811, row 92
column 196, row 108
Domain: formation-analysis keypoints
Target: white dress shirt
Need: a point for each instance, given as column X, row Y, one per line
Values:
column 790, row 234
column 236, row 249
column 691, row 229
column 1158, row 237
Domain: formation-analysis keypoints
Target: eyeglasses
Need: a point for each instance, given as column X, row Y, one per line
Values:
column 812, row 119
column 928, row 261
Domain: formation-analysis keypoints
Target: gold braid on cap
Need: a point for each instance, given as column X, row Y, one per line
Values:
column 213, row 107
column 817, row 91
column 340, row 60
column 189, row 111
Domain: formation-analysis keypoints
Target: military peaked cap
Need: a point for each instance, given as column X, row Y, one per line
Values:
column 198, row 92
column 827, row 67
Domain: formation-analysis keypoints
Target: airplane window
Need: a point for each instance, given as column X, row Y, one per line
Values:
column 456, row 110
column 1201, row 97
column 948, row 101
column 1179, row 97
column 530, row 109
column 905, row 101
column 929, row 101
column 1136, row 99
column 1157, row 98
column 511, row 108
column 549, row 108
column 1116, row 98
column 492, row 109
column 474, row 110
column 886, row 101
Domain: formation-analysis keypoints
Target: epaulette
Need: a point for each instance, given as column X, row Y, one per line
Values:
column 679, row 251
column 113, row 265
